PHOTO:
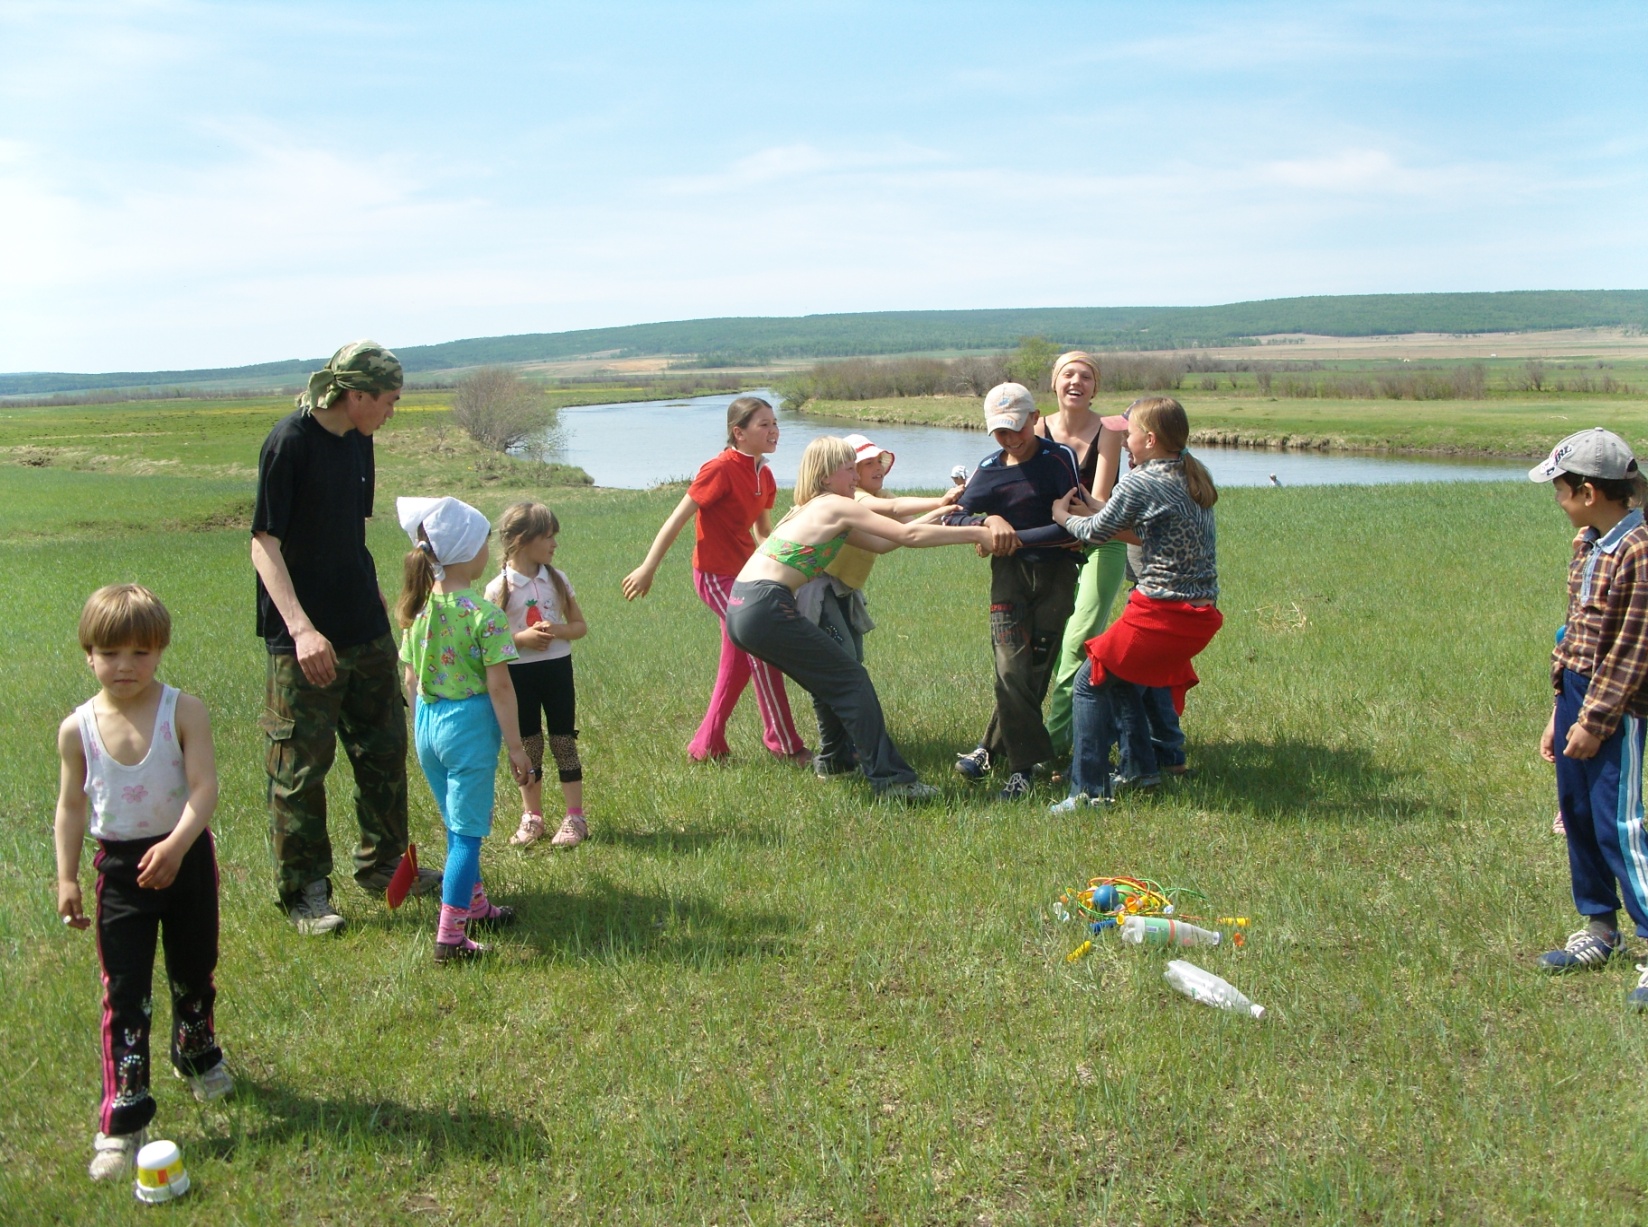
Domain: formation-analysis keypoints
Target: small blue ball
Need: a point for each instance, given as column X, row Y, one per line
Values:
column 1104, row 898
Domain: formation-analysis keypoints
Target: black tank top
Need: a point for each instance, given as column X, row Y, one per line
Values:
column 1088, row 470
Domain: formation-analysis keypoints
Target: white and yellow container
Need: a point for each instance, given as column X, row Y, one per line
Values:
column 161, row 1175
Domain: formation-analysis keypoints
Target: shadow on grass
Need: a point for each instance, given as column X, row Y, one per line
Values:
column 1296, row 779
column 461, row 1131
column 611, row 923
column 680, row 842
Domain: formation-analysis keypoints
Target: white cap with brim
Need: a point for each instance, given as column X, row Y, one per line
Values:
column 455, row 530
column 864, row 449
column 1008, row 406
column 1588, row 453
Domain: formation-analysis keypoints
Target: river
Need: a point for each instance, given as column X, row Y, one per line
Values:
column 644, row 443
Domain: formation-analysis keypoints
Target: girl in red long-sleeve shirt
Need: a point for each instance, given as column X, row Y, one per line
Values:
column 731, row 500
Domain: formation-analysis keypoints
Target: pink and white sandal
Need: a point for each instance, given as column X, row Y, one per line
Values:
column 529, row 832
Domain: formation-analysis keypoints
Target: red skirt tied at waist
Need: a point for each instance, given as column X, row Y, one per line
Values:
column 1152, row 644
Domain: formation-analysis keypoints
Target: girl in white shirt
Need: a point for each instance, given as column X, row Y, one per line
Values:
column 544, row 618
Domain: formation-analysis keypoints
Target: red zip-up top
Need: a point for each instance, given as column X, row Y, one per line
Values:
column 731, row 490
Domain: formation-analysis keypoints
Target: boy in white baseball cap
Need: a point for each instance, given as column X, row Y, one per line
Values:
column 1032, row 584
column 1595, row 734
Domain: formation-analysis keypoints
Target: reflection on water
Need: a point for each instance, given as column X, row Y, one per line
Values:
column 643, row 443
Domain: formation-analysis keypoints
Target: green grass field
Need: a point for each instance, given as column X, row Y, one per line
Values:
column 758, row 997
column 1520, row 425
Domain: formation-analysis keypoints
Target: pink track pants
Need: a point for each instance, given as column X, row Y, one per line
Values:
column 734, row 673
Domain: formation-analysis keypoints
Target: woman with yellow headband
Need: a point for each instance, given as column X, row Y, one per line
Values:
column 1097, row 442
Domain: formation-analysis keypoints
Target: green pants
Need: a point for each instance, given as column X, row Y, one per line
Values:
column 1096, row 588
column 363, row 708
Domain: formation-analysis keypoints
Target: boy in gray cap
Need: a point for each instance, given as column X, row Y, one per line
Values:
column 333, row 672
column 1595, row 734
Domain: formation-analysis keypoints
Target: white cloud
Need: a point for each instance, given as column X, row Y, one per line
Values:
column 1374, row 172
column 787, row 164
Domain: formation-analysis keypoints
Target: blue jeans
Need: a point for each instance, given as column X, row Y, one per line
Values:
column 1166, row 737
column 1113, row 713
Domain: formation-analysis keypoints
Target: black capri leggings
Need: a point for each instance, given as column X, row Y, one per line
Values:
column 546, row 686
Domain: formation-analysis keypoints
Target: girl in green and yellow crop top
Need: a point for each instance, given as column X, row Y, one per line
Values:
column 810, row 560
column 762, row 618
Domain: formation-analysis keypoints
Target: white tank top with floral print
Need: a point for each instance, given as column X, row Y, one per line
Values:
column 142, row 801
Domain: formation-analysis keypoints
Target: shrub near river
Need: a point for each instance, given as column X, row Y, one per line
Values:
column 754, row 995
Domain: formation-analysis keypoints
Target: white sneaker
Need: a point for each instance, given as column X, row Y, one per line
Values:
column 215, row 1083
column 114, row 1154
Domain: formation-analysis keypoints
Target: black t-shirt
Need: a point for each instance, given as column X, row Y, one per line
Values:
column 314, row 495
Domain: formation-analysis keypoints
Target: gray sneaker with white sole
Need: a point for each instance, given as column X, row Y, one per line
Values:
column 313, row 913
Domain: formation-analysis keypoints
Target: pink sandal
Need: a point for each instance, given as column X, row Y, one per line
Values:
column 529, row 832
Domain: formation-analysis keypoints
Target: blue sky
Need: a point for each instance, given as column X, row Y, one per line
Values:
column 194, row 184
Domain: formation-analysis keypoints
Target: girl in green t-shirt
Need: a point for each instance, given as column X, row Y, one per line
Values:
column 455, row 654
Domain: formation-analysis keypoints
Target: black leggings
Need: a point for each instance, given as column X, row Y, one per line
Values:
column 546, row 686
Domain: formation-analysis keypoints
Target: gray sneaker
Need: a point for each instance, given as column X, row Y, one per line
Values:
column 376, row 881
column 314, row 914
column 215, row 1083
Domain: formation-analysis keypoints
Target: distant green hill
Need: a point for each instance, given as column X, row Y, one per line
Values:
column 736, row 339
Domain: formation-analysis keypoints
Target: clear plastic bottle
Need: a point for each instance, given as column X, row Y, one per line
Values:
column 1209, row 989
column 1165, row 931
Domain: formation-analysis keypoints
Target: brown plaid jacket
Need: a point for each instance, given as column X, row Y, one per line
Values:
column 1606, row 635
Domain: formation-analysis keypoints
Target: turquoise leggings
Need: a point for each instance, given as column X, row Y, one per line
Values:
column 1096, row 588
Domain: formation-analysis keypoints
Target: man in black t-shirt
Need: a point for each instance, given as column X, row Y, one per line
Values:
column 1032, row 588
column 332, row 672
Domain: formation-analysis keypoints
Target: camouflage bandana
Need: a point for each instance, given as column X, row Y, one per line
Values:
column 360, row 366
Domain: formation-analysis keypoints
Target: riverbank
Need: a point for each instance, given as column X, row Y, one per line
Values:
column 1498, row 428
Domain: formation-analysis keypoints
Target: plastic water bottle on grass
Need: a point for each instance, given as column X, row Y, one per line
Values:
column 1165, row 931
column 1209, row 989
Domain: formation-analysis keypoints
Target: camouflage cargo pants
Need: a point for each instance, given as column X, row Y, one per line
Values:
column 363, row 708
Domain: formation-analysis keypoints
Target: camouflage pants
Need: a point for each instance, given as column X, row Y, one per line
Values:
column 364, row 709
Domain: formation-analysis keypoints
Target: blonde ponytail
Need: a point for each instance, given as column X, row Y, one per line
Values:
column 1198, row 481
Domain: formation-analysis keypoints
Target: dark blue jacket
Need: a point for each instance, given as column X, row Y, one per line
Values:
column 1023, row 495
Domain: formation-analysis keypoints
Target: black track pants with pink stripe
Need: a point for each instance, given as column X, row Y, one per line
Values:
column 182, row 918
